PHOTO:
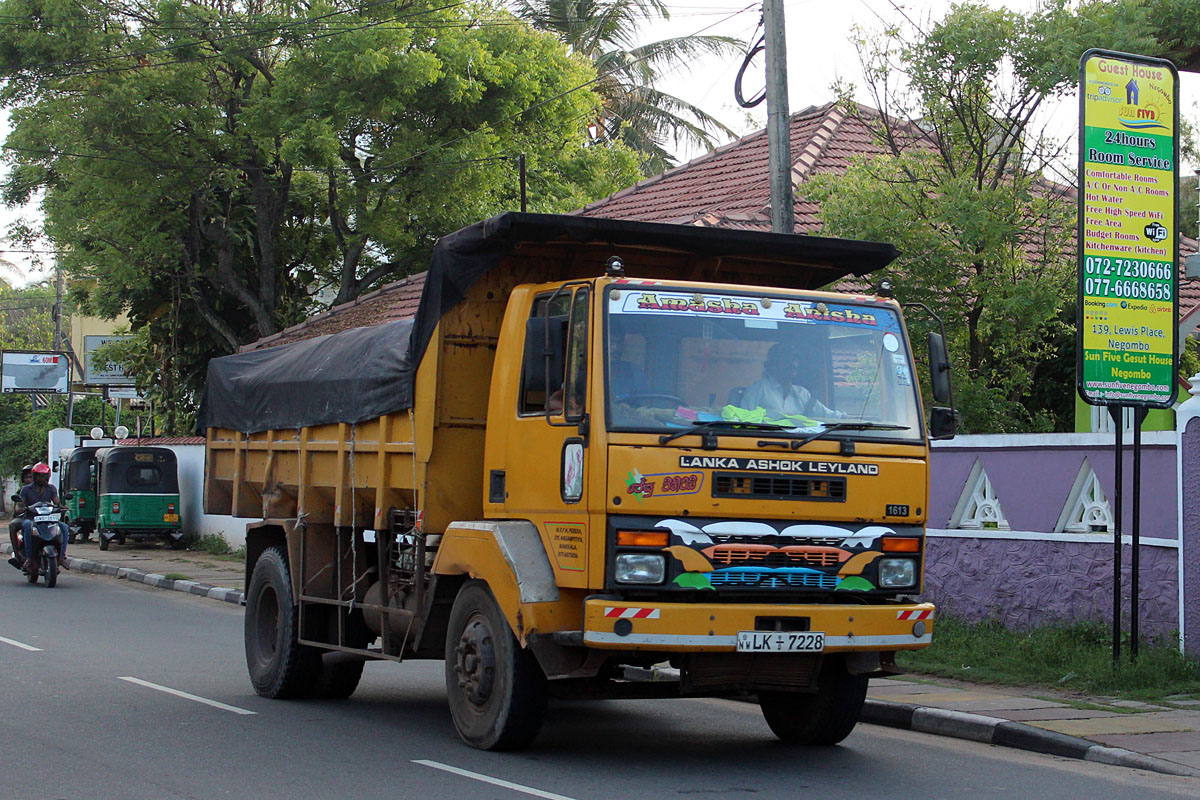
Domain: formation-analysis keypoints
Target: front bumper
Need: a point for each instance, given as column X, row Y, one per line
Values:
column 699, row 627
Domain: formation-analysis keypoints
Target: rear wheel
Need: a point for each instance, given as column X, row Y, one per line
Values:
column 279, row 666
column 104, row 540
column 496, row 690
column 825, row 717
column 31, row 568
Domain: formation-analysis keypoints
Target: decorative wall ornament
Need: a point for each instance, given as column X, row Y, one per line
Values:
column 978, row 507
column 1087, row 508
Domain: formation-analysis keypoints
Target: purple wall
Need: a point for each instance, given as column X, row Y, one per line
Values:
column 1027, row 583
column 1190, row 444
column 1032, row 483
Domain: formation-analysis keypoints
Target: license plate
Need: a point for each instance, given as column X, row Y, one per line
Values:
column 780, row 642
column 46, row 518
column 170, row 518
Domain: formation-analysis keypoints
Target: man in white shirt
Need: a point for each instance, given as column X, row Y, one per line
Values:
column 777, row 391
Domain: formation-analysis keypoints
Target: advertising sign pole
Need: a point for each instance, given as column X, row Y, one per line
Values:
column 1119, row 480
column 1128, row 250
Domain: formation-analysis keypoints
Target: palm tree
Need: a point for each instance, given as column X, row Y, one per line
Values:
column 635, row 113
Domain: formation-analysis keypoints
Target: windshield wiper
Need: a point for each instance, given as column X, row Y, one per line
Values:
column 830, row 427
column 701, row 427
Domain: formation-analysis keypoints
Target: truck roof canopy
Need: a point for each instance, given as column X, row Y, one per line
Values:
column 365, row 372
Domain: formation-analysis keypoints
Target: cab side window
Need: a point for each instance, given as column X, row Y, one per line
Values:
column 559, row 384
column 539, row 384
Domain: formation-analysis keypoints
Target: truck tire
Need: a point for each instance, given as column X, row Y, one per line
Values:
column 496, row 689
column 279, row 666
column 338, row 679
column 823, row 718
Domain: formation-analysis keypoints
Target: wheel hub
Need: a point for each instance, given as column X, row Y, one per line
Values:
column 475, row 662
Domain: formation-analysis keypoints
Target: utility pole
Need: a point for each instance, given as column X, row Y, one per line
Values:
column 58, row 292
column 778, row 119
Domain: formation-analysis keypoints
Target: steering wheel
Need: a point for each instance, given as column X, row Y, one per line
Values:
column 648, row 398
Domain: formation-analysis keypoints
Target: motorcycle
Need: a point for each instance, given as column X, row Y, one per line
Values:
column 46, row 532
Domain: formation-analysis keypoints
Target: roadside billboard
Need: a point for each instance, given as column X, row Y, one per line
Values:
column 1128, row 241
column 106, row 373
column 34, row 372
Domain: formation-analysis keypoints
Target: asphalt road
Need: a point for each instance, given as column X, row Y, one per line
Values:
column 89, row 714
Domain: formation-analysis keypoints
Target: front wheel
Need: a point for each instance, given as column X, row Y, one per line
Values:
column 825, row 717
column 496, row 689
column 50, row 567
column 279, row 666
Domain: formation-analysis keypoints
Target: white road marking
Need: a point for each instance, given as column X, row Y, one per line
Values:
column 21, row 645
column 187, row 696
column 516, row 787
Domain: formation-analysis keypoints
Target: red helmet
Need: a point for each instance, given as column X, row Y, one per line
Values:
column 40, row 468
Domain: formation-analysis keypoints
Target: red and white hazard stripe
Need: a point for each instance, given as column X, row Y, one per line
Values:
column 915, row 614
column 633, row 613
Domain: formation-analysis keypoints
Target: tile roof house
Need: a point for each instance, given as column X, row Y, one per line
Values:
column 398, row 300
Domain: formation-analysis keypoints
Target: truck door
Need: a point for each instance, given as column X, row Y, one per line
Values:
column 546, row 452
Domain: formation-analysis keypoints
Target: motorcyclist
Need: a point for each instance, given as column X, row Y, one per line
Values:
column 42, row 491
column 14, row 527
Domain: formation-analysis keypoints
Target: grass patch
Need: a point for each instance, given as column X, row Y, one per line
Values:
column 176, row 576
column 1075, row 657
column 216, row 545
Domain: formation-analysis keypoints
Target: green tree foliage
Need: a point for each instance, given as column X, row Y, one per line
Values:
column 635, row 112
column 209, row 164
column 967, row 193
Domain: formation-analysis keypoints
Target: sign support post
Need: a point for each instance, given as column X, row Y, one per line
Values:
column 1128, row 270
column 1115, row 412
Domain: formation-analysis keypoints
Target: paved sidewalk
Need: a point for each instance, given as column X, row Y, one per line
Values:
column 1159, row 737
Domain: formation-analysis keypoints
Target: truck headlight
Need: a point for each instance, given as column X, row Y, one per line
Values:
column 897, row 573
column 640, row 568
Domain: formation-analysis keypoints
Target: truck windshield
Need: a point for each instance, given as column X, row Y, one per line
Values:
column 678, row 357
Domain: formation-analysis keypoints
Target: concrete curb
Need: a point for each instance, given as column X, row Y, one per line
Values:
column 1005, row 733
column 222, row 593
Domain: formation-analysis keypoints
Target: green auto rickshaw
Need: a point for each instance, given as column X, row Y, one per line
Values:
column 138, row 491
column 79, row 490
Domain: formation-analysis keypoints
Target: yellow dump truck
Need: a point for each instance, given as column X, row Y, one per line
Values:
column 603, row 459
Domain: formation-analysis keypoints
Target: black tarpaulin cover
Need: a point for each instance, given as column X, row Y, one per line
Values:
column 350, row 376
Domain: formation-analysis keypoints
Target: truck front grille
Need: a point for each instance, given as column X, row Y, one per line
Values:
column 778, row 487
column 772, row 578
column 765, row 555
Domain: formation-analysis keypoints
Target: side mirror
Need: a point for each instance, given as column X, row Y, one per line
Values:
column 943, row 423
column 68, row 496
column 16, row 498
column 939, row 368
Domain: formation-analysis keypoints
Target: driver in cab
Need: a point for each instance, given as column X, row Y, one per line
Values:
column 778, row 391
column 42, row 491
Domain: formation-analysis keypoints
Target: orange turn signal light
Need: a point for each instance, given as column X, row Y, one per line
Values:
column 643, row 538
column 901, row 544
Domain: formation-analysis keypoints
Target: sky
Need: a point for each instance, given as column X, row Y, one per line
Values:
column 819, row 53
